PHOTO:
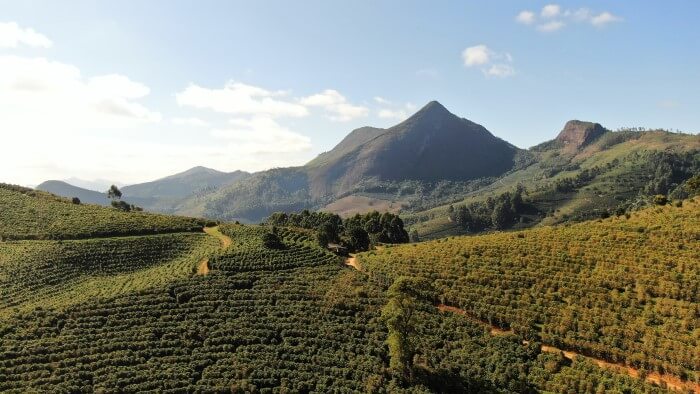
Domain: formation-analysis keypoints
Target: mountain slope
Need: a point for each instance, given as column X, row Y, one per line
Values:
column 431, row 146
column 64, row 189
column 351, row 142
column 291, row 319
column 611, row 172
column 172, row 193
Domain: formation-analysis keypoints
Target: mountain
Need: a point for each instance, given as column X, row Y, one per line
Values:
column 353, row 140
column 586, row 172
column 64, row 189
column 167, row 194
column 431, row 146
column 183, row 184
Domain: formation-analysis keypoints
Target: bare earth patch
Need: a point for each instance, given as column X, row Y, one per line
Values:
column 350, row 205
column 226, row 241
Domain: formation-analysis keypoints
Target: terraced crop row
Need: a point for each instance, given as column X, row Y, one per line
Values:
column 59, row 273
column 263, row 320
column 625, row 290
column 30, row 214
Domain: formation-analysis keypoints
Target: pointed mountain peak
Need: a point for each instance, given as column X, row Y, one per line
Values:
column 578, row 133
column 433, row 108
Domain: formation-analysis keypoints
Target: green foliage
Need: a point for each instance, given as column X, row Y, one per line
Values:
column 620, row 289
column 693, row 184
column 660, row 199
column 114, row 193
column 263, row 320
column 61, row 273
column 30, row 214
column 272, row 241
column 356, row 232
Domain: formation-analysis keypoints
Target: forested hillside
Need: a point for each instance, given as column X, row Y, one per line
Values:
column 608, row 173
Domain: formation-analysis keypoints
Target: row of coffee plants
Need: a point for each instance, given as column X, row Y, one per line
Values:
column 312, row 326
column 32, row 214
column 626, row 290
column 59, row 273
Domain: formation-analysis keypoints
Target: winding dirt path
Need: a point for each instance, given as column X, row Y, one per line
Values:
column 226, row 241
column 672, row 382
column 352, row 262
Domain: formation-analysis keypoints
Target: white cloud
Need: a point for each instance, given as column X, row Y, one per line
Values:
column 551, row 26
column 550, row 11
column 500, row 71
column 336, row 105
column 260, row 135
column 12, row 36
column 555, row 18
column 40, row 91
column 494, row 64
column 476, row 55
column 604, row 18
column 526, row 17
column 195, row 122
column 580, row 15
column 241, row 99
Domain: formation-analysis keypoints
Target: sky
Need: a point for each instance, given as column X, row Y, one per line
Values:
column 131, row 91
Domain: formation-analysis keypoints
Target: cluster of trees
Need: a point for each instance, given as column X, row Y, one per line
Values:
column 668, row 172
column 356, row 233
column 115, row 195
column 570, row 184
column 500, row 212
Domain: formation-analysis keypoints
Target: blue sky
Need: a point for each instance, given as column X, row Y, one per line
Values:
column 135, row 90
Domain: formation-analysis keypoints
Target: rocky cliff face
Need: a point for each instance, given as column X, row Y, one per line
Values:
column 577, row 134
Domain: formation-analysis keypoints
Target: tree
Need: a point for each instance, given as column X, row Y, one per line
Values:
column 272, row 241
column 660, row 199
column 114, row 193
column 322, row 239
column 405, row 296
column 693, row 184
column 463, row 217
column 502, row 215
column 358, row 239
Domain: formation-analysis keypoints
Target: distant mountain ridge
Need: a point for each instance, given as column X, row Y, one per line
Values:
column 429, row 161
column 65, row 189
column 433, row 145
column 163, row 195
